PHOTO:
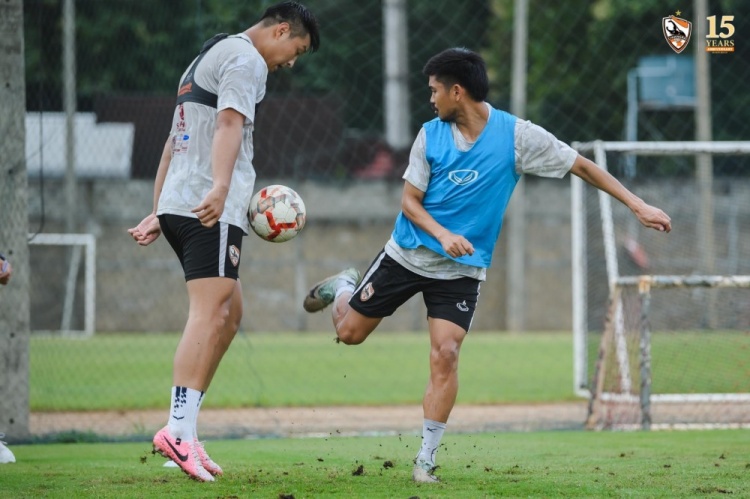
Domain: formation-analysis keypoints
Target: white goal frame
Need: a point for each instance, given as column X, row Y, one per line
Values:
column 79, row 242
column 645, row 283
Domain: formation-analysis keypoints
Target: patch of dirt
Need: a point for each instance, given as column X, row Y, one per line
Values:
column 316, row 421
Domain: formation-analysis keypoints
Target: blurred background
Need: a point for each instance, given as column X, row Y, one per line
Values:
column 338, row 128
column 100, row 84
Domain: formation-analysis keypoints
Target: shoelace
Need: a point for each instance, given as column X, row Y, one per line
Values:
column 205, row 454
column 197, row 458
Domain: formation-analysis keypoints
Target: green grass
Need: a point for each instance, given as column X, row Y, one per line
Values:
column 701, row 362
column 134, row 370
column 130, row 371
column 686, row 362
column 540, row 464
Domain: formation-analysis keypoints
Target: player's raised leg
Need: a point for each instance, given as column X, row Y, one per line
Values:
column 352, row 327
column 323, row 293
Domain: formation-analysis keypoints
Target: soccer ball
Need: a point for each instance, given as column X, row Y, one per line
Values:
column 277, row 213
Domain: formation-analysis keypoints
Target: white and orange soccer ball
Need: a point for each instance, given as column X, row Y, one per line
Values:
column 277, row 213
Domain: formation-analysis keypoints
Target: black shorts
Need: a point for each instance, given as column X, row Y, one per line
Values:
column 203, row 252
column 387, row 285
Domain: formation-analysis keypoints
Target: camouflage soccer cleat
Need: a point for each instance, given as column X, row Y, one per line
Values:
column 424, row 473
column 322, row 294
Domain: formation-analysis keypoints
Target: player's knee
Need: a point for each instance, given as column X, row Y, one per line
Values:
column 232, row 325
column 234, row 320
column 445, row 356
column 220, row 319
column 350, row 336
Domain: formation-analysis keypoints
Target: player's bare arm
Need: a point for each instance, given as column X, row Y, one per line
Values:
column 161, row 172
column 148, row 230
column 411, row 204
column 648, row 215
column 224, row 151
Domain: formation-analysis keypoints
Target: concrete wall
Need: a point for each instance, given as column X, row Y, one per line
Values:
column 143, row 288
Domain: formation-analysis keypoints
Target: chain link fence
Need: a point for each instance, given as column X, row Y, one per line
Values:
column 596, row 70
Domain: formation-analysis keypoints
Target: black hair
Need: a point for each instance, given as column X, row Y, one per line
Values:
column 460, row 66
column 300, row 19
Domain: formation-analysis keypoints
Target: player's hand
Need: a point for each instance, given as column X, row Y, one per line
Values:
column 6, row 270
column 653, row 217
column 454, row 245
column 147, row 231
column 212, row 206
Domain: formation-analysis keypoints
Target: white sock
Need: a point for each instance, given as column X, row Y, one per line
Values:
column 197, row 410
column 344, row 284
column 183, row 411
column 432, row 433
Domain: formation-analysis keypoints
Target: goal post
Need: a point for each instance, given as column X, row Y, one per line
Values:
column 637, row 291
column 82, row 246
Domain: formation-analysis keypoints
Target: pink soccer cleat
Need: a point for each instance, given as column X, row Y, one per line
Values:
column 182, row 452
column 206, row 461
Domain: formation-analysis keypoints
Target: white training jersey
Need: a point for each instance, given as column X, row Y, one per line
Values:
column 235, row 71
column 538, row 152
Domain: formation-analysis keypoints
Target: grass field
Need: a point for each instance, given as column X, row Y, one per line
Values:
column 133, row 371
column 539, row 464
column 711, row 361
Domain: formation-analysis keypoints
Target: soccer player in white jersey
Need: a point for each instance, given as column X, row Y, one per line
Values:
column 462, row 170
column 202, row 193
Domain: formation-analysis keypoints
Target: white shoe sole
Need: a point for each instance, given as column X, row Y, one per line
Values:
column 421, row 475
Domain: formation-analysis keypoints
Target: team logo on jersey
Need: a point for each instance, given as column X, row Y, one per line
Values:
column 367, row 292
column 234, row 255
column 463, row 177
column 677, row 32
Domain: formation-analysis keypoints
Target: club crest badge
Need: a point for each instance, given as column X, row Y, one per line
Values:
column 677, row 32
column 234, row 255
column 367, row 292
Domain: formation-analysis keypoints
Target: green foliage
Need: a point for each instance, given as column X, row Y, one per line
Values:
column 136, row 47
column 125, row 47
column 544, row 464
column 579, row 55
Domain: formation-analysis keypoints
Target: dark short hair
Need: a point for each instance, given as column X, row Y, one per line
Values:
column 460, row 66
column 299, row 17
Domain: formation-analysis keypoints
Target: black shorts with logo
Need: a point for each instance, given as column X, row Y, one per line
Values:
column 203, row 252
column 387, row 285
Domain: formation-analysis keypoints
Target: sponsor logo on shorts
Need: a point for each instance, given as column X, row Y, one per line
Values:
column 234, row 255
column 367, row 292
column 463, row 307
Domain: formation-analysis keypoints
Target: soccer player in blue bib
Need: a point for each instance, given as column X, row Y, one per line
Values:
column 462, row 170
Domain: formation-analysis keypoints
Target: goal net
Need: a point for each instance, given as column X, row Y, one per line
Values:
column 662, row 321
